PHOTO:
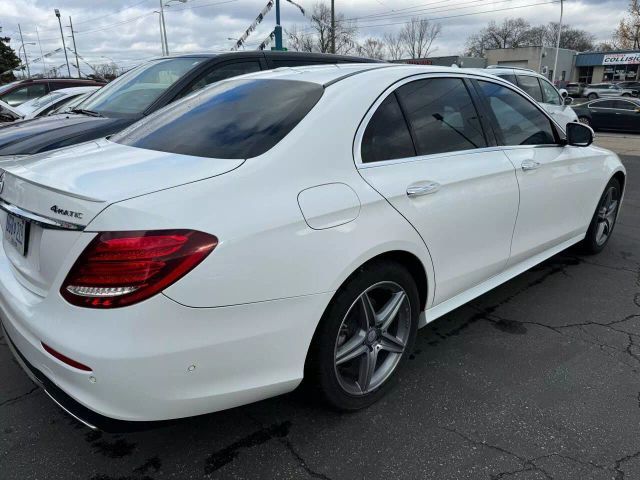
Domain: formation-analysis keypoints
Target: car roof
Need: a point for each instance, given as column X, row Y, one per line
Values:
column 271, row 53
column 332, row 73
column 496, row 70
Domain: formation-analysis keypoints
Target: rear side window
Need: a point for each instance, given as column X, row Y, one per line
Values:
column 519, row 121
column 387, row 136
column 603, row 104
column 291, row 62
column 442, row 116
column 624, row 105
column 531, row 86
column 233, row 119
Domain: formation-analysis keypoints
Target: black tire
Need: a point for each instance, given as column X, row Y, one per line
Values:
column 321, row 372
column 584, row 120
column 592, row 96
column 591, row 244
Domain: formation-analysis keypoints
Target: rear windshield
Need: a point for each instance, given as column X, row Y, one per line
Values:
column 231, row 119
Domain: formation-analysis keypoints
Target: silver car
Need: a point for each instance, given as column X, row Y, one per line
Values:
column 598, row 90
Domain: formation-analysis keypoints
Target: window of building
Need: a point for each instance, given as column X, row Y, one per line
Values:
column 585, row 75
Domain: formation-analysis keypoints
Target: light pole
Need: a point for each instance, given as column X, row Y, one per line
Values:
column 25, row 52
column 64, row 46
column 555, row 64
column 333, row 27
column 161, row 32
column 75, row 49
column 25, row 55
column 278, row 29
column 164, row 26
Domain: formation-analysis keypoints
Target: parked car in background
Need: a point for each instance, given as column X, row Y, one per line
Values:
column 617, row 114
column 633, row 85
column 165, row 272
column 144, row 90
column 598, row 90
column 556, row 102
column 575, row 89
column 20, row 91
column 8, row 113
column 69, row 104
column 41, row 106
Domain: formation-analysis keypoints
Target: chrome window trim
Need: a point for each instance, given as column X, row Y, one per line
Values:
column 44, row 222
column 357, row 141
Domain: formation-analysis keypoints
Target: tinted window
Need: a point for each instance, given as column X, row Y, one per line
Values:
column 519, row 121
column 232, row 119
column 131, row 93
column 284, row 62
column 531, row 86
column 551, row 95
column 23, row 94
column 387, row 135
column 441, row 115
column 509, row 78
column 603, row 104
column 623, row 105
column 222, row 72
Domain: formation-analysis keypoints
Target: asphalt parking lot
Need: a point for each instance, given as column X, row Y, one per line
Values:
column 538, row 379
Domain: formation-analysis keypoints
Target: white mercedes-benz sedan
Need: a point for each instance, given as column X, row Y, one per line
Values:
column 294, row 224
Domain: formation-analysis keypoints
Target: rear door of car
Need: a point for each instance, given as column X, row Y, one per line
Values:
column 424, row 148
column 627, row 116
column 602, row 113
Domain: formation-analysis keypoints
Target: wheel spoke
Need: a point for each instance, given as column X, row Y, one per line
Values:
column 367, row 369
column 391, row 343
column 610, row 215
column 389, row 312
column 354, row 347
column 600, row 231
column 369, row 312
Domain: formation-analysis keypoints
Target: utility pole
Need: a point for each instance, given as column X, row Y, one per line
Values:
column 333, row 27
column 25, row 52
column 164, row 28
column 278, row 29
column 555, row 65
column 75, row 50
column 64, row 46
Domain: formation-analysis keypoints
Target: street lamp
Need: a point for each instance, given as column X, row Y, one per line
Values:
column 163, row 28
column 25, row 56
column 161, row 32
column 64, row 47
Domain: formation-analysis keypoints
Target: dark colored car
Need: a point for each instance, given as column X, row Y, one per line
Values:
column 142, row 91
column 18, row 92
column 619, row 114
column 629, row 84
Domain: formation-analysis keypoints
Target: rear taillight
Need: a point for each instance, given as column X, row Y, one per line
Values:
column 121, row 268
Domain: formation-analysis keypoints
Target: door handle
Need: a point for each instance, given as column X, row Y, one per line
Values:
column 422, row 188
column 530, row 165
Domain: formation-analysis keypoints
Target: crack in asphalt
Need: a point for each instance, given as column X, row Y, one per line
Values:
column 19, row 397
column 620, row 475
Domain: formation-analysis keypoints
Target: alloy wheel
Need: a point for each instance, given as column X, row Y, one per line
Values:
column 607, row 213
column 372, row 337
column 584, row 120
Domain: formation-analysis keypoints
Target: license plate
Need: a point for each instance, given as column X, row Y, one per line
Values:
column 17, row 233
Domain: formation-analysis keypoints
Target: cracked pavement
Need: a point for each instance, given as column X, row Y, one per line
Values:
column 537, row 379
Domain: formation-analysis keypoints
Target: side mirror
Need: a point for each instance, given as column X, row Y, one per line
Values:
column 579, row 135
column 568, row 100
column 563, row 93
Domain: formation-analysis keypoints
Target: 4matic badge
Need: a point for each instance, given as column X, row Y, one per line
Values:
column 68, row 213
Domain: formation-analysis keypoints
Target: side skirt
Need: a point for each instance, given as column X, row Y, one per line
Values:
column 439, row 310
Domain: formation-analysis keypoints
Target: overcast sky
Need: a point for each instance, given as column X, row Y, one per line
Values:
column 127, row 31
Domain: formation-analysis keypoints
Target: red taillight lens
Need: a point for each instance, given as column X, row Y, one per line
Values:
column 121, row 268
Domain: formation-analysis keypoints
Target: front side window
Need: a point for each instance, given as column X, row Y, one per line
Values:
column 130, row 94
column 624, row 105
column 530, row 85
column 387, row 136
column 441, row 115
column 234, row 119
column 519, row 122
column 550, row 94
column 603, row 104
column 509, row 78
column 223, row 72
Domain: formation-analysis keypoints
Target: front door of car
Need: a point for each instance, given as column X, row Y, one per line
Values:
column 556, row 182
column 424, row 149
column 627, row 116
column 603, row 114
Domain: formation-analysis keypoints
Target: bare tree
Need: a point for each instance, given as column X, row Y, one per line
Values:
column 394, row 46
column 513, row 32
column 418, row 35
column 627, row 35
column 372, row 48
column 317, row 36
column 108, row 71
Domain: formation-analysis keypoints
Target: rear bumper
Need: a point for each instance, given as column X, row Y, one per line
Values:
column 140, row 356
